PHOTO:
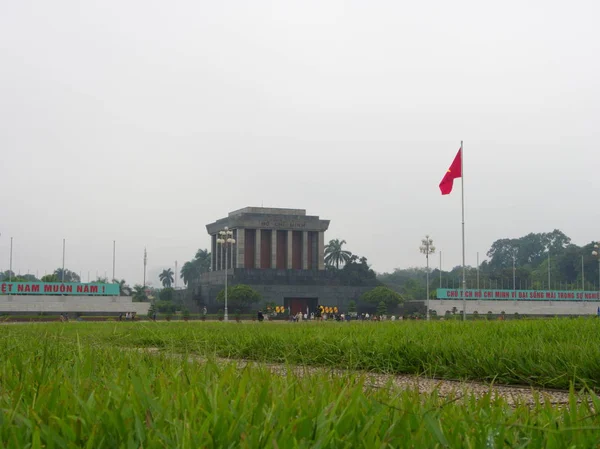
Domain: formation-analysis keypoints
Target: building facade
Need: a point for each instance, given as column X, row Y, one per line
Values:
column 278, row 252
column 270, row 238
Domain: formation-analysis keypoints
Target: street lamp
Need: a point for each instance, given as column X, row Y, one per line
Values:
column 515, row 273
column 226, row 241
column 427, row 248
column 596, row 253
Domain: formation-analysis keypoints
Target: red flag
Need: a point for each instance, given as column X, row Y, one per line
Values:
column 455, row 171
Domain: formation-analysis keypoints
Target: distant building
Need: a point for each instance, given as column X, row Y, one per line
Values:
column 280, row 253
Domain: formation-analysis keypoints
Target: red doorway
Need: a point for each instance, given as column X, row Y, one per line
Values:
column 302, row 305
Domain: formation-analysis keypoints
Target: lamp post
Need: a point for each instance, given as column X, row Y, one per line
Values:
column 427, row 248
column 596, row 253
column 514, row 274
column 226, row 241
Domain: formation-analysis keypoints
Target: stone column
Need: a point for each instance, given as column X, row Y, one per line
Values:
column 257, row 249
column 213, row 252
column 305, row 250
column 289, row 250
column 273, row 248
column 239, row 247
column 321, row 251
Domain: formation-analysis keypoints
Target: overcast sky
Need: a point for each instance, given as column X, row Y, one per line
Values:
column 142, row 121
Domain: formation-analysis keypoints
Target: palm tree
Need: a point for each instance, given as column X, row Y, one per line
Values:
column 139, row 293
column 335, row 255
column 203, row 257
column 166, row 277
column 124, row 289
column 191, row 270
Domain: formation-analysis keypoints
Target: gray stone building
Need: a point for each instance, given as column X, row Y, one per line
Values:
column 279, row 253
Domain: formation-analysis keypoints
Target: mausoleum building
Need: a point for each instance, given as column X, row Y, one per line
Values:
column 270, row 238
column 278, row 252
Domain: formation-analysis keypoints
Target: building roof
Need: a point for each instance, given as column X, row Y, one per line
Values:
column 269, row 218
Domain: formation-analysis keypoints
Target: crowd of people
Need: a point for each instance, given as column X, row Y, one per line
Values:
column 331, row 315
column 342, row 317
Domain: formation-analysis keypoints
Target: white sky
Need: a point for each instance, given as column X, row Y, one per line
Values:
column 142, row 121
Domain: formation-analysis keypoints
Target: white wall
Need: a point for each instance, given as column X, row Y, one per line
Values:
column 59, row 304
column 522, row 307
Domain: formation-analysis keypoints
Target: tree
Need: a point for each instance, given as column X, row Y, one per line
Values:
column 356, row 272
column 124, row 289
column 382, row 294
column 530, row 249
column 352, row 307
column 50, row 278
column 167, row 307
column 240, row 296
column 8, row 274
column 335, row 255
column 203, row 258
column 30, row 278
column 69, row 276
column 191, row 270
column 530, row 253
column 166, row 294
column 166, row 277
column 18, row 278
column 139, row 293
column 382, row 308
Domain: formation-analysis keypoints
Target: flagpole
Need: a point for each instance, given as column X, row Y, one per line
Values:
column 114, row 252
column 145, row 261
column 63, row 264
column 462, row 189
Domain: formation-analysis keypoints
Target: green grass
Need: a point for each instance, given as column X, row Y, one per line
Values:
column 62, row 386
column 546, row 353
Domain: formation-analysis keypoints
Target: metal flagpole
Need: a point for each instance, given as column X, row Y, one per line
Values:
column 582, row 276
column 477, row 270
column 548, row 268
column 114, row 251
column 462, row 188
column 440, row 269
column 10, row 264
column 427, row 275
column 63, row 265
column 514, row 274
column 145, row 260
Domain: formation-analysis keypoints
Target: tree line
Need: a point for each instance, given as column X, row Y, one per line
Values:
column 571, row 266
